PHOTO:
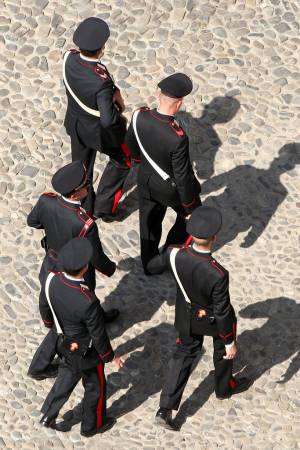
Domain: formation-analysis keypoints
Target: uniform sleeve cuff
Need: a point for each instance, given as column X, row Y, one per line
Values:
column 229, row 345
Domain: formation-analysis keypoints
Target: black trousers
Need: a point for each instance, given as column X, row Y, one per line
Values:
column 110, row 186
column 180, row 367
column 94, row 400
column 152, row 214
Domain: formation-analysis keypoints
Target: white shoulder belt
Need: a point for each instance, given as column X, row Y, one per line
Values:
column 157, row 169
column 93, row 112
column 173, row 254
column 57, row 326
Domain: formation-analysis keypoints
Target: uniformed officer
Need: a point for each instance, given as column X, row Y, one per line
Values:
column 203, row 308
column 94, row 118
column 62, row 218
column 166, row 177
column 83, row 343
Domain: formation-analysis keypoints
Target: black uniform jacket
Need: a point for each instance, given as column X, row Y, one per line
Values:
column 80, row 316
column 92, row 84
column 168, row 145
column 206, row 284
column 63, row 221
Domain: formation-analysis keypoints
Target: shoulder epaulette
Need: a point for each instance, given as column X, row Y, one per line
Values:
column 86, row 219
column 177, row 128
column 214, row 264
column 101, row 72
column 143, row 108
column 50, row 194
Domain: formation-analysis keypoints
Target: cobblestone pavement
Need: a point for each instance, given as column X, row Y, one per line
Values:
column 243, row 123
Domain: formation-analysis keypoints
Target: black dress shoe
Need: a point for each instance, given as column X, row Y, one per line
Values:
column 242, row 384
column 112, row 268
column 108, row 424
column 51, row 372
column 48, row 422
column 164, row 418
column 63, row 426
column 108, row 218
column 111, row 315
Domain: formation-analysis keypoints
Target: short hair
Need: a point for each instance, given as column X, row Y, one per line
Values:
column 89, row 53
column 74, row 273
column 204, row 242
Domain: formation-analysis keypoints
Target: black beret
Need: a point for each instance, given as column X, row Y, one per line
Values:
column 91, row 34
column 204, row 222
column 76, row 254
column 69, row 177
column 177, row 85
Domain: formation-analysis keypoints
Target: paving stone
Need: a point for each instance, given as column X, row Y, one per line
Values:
column 243, row 128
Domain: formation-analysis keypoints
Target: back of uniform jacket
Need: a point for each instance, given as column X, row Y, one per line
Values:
column 80, row 316
column 206, row 284
column 94, row 87
column 167, row 144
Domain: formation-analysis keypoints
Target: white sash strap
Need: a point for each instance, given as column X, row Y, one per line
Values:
column 173, row 254
column 93, row 112
column 57, row 326
column 157, row 169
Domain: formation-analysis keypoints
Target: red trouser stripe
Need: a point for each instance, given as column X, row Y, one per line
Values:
column 100, row 370
column 117, row 198
column 126, row 152
column 232, row 383
column 188, row 241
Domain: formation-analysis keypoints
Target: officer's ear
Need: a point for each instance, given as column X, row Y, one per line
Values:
column 75, row 196
column 178, row 104
column 100, row 52
column 158, row 95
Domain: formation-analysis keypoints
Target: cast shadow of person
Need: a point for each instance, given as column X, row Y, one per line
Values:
column 203, row 139
column 138, row 298
column 259, row 349
column 251, row 196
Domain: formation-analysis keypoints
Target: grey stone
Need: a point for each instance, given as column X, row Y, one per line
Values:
column 4, row 260
column 281, row 72
column 43, row 64
column 10, row 312
column 56, row 20
column 60, row 42
column 41, row 3
column 123, row 73
column 120, row 241
column 29, row 171
column 287, row 98
column 26, row 50
column 49, row 115
column 220, row 31
column 33, row 62
column 3, row 188
column 139, row 44
column 282, row 27
column 4, row 92
column 42, row 49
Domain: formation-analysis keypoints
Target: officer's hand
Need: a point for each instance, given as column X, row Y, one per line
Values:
column 231, row 352
column 118, row 362
column 118, row 101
